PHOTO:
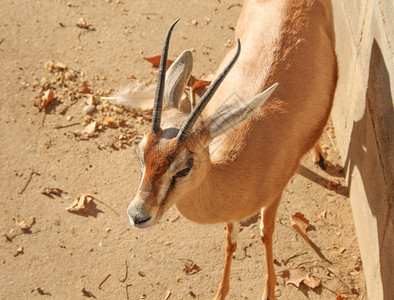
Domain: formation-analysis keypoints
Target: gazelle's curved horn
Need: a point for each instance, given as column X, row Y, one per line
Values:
column 158, row 104
column 188, row 125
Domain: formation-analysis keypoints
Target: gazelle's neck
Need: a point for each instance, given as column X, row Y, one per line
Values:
column 221, row 196
column 233, row 188
column 205, row 203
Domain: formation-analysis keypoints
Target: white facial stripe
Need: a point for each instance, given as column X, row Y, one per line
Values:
column 167, row 178
column 166, row 182
column 142, row 177
column 140, row 149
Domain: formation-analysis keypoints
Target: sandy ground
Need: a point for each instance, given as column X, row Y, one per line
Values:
column 71, row 256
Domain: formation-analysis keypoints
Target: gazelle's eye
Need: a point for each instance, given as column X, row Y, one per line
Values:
column 185, row 171
column 182, row 173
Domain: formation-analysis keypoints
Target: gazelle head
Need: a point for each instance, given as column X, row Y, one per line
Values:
column 174, row 154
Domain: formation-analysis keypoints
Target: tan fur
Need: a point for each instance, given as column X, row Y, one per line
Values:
column 286, row 41
column 258, row 158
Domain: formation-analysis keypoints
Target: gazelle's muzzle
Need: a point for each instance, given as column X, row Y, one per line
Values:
column 138, row 219
column 138, row 215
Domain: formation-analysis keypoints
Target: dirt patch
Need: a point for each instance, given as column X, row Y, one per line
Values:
column 50, row 158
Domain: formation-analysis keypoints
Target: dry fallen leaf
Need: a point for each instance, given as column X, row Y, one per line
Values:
column 299, row 222
column 86, row 90
column 200, row 84
column 83, row 24
column 190, row 267
column 342, row 296
column 295, row 276
column 43, row 99
column 300, row 275
column 52, row 191
column 155, row 61
column 191, row 81
column 48, row 96
column 84, row 204
column 26, row 224
column 86, row 293
column 18, row 251
column 312, row 283
column 42, row 292
column 285, row 274
column 122, row 123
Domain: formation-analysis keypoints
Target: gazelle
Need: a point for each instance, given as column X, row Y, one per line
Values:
column 234, row 153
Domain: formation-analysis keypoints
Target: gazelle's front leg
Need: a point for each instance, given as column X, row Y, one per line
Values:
column 231, row 246
column 267, row 226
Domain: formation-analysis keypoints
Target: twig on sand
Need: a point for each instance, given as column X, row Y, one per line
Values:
column 312, row 244
column 340, row 278
column 107, row 206
column 65, row 126
column 28, row 181
column 285, row 262
column 127, row 290
column 43, row 119
column 104, row 280
column 234, row 5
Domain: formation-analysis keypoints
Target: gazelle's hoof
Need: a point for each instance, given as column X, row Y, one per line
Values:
column 269, row 295
column 321, row 162
column 268, row 298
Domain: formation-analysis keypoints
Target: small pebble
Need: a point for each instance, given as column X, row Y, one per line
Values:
column 90, row 128
column 88, row 109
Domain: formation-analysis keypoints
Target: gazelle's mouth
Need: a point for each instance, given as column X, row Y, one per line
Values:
column 142, row 223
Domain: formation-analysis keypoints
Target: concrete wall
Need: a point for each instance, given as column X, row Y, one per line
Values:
column 364, row 121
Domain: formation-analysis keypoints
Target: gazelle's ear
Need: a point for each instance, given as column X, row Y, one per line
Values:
column 176, row 79
column 227, row 117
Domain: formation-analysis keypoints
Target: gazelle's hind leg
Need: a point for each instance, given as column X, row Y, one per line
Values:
column 267, row 226
column 231, row 246
column 318, row 156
